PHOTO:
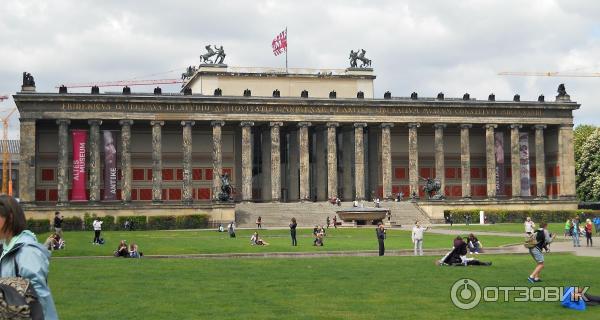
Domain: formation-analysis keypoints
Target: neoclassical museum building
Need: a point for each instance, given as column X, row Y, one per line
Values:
column 286, row 140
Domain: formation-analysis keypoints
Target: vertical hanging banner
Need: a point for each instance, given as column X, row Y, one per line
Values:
column 524, row 158
column 79, row 138
column 499, row 152
column 110, row 166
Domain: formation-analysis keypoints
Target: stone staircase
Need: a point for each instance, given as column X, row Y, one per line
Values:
column 309, row 214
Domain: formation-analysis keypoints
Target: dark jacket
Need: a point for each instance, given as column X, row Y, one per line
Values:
column 380, row 234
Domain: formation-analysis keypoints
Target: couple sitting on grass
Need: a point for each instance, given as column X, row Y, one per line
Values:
column 458, row 255
column 54, row 242
column 255, row 240
column 128, row 252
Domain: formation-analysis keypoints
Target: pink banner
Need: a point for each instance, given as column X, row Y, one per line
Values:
column 110, row 166
column 499, row 152
column 79, row 176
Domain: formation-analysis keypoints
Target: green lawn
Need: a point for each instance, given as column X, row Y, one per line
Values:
column 194, row 242
column 558, row 228
column 321, row 288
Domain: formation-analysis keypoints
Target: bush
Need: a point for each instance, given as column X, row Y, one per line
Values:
column 72, row 224
column 139, row 222
column 38, row 225
column 108, row 222
column 503, row 216
column 162, row 222
column 195, row 221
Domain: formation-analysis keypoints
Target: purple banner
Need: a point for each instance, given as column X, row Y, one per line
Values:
column 110, row 166
column 524, row 158
column 79, row 139
column 500, row 171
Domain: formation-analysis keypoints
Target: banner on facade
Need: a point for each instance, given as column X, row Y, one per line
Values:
column 524, row 158
column 499, row 153
column 79, row 138
column 110, row 166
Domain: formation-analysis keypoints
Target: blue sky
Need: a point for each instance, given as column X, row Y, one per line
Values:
column 423, row 46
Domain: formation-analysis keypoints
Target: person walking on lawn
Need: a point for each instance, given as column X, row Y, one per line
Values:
column 543, row 238
column 417, row 238
column 381, row 238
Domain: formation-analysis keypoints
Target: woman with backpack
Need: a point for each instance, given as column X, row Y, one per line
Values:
column 542, row 239
column 23, row 257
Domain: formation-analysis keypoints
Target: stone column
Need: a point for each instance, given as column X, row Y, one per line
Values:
column 515, row 160
column 320, row 176
column 566, row 157
column 63, row 161
column 359, row 161
column 157, row 160
column 217, row 158
column 264, row 136
column 386, row 160
column 27, row 163
column 187, row 195
column 332, row 176
column 465, row 160
column 126, row 160
column 304, row 160
column 246, row 160
column 347, row 153
column 540, row 161
column 440, row 166
column 413, row 160
column 94, row 181
column 490, row 160
column 275, row 161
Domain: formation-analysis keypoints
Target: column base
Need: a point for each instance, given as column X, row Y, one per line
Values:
column 157, row 201
column 541, row 198
column 187, row 202
column 62, row 204
column 126, row 202
column 491, row 198
column 516, row 198
column 93, row 202
column 467, row 198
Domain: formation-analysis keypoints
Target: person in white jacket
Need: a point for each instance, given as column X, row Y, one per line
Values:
column 417, row 238
column 97, row 224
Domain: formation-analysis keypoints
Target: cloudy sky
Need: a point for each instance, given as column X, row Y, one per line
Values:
column 423, row 46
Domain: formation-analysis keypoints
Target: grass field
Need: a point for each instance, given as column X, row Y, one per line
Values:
column 321, row 288
column 502, row 227
column 195, row 242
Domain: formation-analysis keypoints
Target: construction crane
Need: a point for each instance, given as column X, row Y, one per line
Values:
column 122, row 83
column 6, row 157
column 550, row 74
column 3, row 97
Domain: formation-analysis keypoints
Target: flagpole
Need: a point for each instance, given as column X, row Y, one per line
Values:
column 286, row 50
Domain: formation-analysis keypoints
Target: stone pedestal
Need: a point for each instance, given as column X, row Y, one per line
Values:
column 465, row 160
column 246, row 160
column 359, row 161
column 332, row 176
column 157, row 160
column 440, row 166
column 386, row 160
column 126, row 160
column 63, row 161
column 94, row 164
column 490, row 160
column 275, row 161
column 187, row 193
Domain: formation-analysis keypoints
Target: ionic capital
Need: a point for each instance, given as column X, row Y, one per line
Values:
column 188, row 123
column 276, row 124
column 304, row 124
column 157, row 123
column 465, row 125
column 564, row 126
column 126, row 122
column 95, row 122
column 217, row 123
column 332, row 124
column 387, row 125
column 65, row 122
column 360, row 125
column 439, row 125
column 540, row 126
column 246, row 124
column 491, row 126
column 516, row 126
column 413, row 125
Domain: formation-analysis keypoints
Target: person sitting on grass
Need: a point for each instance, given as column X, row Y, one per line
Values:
column 122, row 250
column 577, row 299
column 255, row 240
column 134, row 252
column 54, row 242
column 457, row 257
column 474, row 244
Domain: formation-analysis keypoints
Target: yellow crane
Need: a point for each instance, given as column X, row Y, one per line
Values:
column 566, row 74
column 6, row 158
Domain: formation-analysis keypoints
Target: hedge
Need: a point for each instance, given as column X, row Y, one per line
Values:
column 38, row 225
column 195, row 221
column 139, row 222
column 162, row 222
column 108, row 222
column 501, row 216
column 72, row 224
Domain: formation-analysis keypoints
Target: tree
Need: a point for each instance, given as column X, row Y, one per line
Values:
column 580, row 134
column 587, row 168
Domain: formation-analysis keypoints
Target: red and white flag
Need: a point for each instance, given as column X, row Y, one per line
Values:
column 279, row 44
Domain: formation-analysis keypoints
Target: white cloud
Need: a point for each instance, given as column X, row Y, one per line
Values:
column 423, row 46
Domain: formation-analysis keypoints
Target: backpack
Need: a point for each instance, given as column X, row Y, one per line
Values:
column 18, row 299
column 531, row 241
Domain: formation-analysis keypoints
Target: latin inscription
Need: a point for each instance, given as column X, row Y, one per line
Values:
column 283, row 109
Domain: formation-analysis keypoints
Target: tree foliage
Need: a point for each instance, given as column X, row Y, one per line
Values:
column 588, row 168
column 580, row 134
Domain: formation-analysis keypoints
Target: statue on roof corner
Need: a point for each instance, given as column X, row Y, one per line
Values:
column 218, row 52
column 188, row 73
column 359, row 55
column 561, row 90
column 28, row 79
